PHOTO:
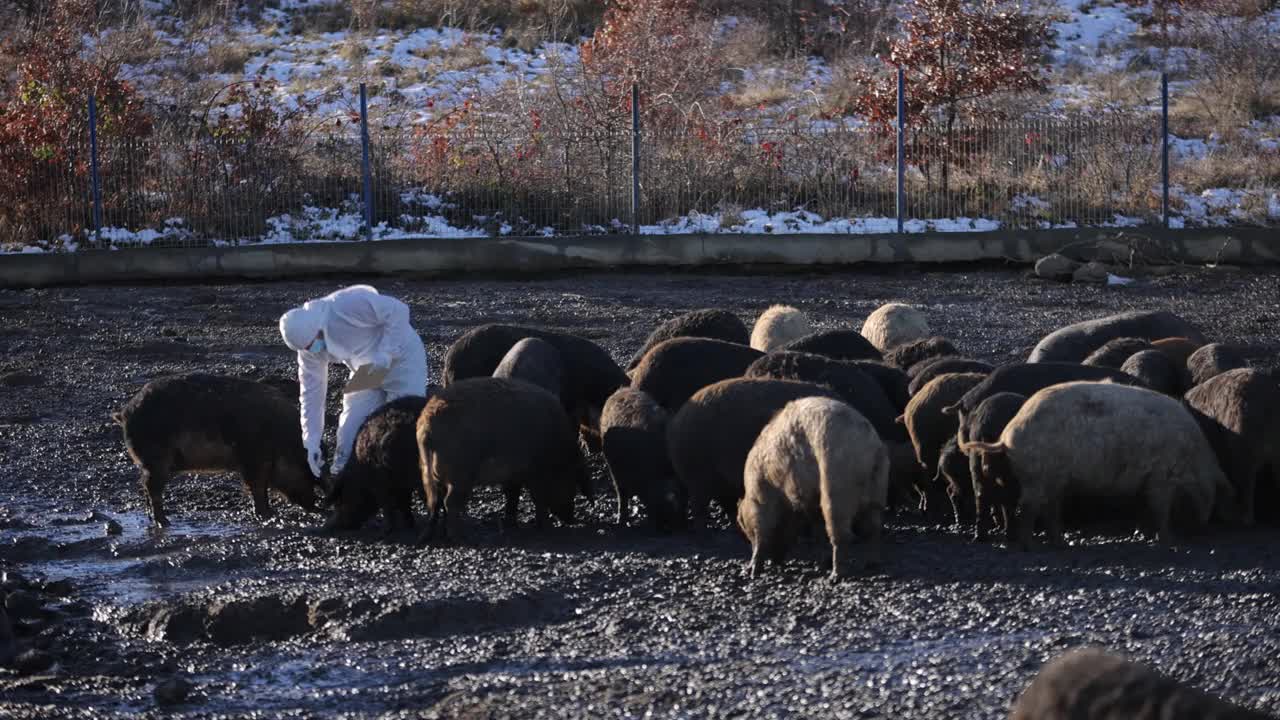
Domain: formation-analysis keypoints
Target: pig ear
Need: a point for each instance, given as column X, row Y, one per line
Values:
column 901, row 420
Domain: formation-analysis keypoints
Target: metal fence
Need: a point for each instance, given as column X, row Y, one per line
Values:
column 791, row 176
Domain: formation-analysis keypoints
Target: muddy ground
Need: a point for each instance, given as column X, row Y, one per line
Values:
column 269, row 621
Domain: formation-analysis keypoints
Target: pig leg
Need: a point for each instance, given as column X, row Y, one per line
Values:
column 256, row 476
column 870, row 523
column 511, row 509
column 982, row 516
column 1027, row 526
column 840, row 535
column 624, row 509
column 623, row 500
column 763, row 520
column 1053, row 523
column 153, row 481
column 455, row 504
column 729, row 505
column 1160, row 505
column 1244, row 477
column 954, row 496
column 698, row 508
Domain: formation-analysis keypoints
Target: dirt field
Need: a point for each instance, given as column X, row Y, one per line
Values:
column 588, row 621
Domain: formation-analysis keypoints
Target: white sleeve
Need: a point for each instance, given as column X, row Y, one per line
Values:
column 313, row 379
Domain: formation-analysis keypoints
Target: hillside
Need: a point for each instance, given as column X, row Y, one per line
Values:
column 513, row 74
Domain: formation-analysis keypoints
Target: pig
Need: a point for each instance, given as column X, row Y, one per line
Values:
column 818, row 461
column 928, row 369
column 711, row 435
column 891, row 380
column 894, row 324
column 777, row 326
column 852, row 385
column 986, row 424
column 1213, row 359
column 383, row 472
column 835, row 344
column 1106, row 441
column 861, row 392
column 676, row 369
column 1074, row 343
column 909, row 354
column 1091, row 684
column 1114, row 352
column 633, row 432
column 1157, row 371
column 497, row 432
column 533, row 360
column 217, row 423
column 1027, row 378
column 589, row 373
column 929, row 428
column 711, row 323
column 1242, row 410
column 1177, row 348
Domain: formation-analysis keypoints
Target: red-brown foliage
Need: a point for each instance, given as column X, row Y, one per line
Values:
column 954, row 52
column 44, row 111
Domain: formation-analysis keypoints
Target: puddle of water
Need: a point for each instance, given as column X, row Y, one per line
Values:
column 138, row 565
column 956, row 651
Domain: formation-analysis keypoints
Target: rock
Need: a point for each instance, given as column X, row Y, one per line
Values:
column 172, row 691
column 1056, row 267
column 21, row 379
column 1094, row 272
column 32, row 662
column 11, row 580
column 22, row 604
column 112, row 528
column 178, row 625
column 264, row 618
column 61, row 588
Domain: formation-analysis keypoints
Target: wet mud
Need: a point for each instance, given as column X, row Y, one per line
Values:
column 222, row 615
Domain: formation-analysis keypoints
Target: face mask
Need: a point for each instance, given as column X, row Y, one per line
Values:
column 317, row 346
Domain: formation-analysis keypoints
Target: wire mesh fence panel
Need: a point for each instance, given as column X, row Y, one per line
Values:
column 496, row 175
column 490, row 179
column 1036, row 173
column 46, row 201
column 738, row 176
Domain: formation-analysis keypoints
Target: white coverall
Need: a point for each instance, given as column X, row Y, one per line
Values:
column 359, row 327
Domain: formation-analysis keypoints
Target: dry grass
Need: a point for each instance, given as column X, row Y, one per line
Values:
column 1230, row 165
column 354, row 50
column 227, row 57
column 763, row 93
column 463, row 56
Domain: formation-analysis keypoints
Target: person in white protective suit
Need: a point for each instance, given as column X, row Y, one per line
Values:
column 355, row 326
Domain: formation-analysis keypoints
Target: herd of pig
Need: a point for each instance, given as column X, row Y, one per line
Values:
column 791, row 431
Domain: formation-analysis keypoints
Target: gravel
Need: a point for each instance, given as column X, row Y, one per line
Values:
column 585, row 621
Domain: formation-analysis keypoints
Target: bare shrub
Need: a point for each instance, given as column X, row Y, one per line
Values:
column 1237, row 67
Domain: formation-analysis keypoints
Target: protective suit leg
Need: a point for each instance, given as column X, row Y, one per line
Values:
column 355, row 408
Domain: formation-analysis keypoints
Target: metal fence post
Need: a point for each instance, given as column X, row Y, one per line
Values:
column 364, row 162
column 93, row 170
column 635, row 158
column 902, row 119
column 1164, row 148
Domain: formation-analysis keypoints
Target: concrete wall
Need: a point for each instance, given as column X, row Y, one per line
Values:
column 451, row 255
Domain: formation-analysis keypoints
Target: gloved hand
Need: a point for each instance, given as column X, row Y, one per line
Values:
column 316, row 461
